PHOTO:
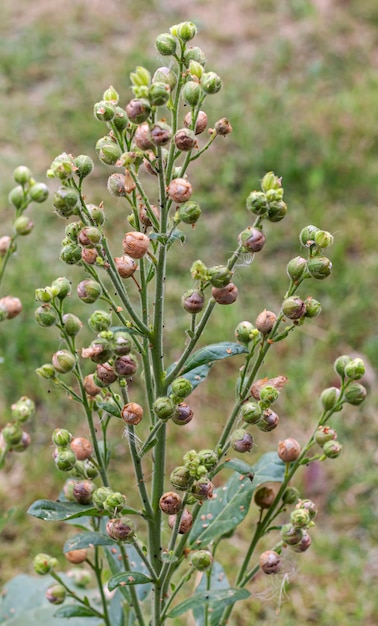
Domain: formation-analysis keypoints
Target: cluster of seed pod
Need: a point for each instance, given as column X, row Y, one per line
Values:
column 12, row 436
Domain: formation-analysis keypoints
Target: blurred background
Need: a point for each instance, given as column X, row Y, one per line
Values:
column 300, row 89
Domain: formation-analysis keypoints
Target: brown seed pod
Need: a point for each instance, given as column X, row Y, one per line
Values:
column 142, row 137
column 106, row 374
column 269, row 421
column 265, row 321
column 264, row 497
column 144, row 217
column 170, row 503
column 90, row 386
column 183, row 414
column 223, row 127
column 89, row 255
column 82, row 448
column 11, row 306
column 132, row 413
column 179, row 190
column 225, row 295
column 160, row 133
column 135, row 244
column 304, row 543
column 120, row 529
column 270, row 562
column 278, row 382
column 125, row 265
column 83, row 490
column 201, row 122
column 76, row 556
column 193, row 301
column 186, row 522
column 129, row 182
column 185, row 140
column 289, row 450
column 125, row 366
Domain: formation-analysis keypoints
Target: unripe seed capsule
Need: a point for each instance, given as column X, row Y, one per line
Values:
column 329, row 397
column 202, row 560
column 324, row 434
column 270, row 562
column 332, row 449
column 89, row 290
column 22, row 225
column 265, row 321
column 45, row 316
column 186, row 31
column 65, row 460
column 251, row 412
column 165, row 75
column 138, row 110
column 166, row 44
column 289, row 450
column 179, row 190
column 252, row 239
column 300, row 518
column 135, row 244
column 61, row 437
column 23, row 444
column 99, row 497
column 114, row 502
column 257, row 203
column 268, row 394
column 225, row 295
column 277, row 210
column 104, row 111
column 313, row 307
column 170, row 503
column 44, row 563
column 61, row 287
column 241, row 440
column 181, row 478
column 355, row 394
column 208, row 458
column 164, row 408
column 72, row 324
column 132, row 413
column 245, row 332
column 219, row 276
column 355, row 369
column 307, row 235
column 191, row 93
column 70, row 254
column 319, row 267
column 23, row 409
column 291, row 535
column 99, row 320
column 16, row 196
column 56, row 594
column 202, row 489
column 294, row 308
column 38, row 192
column 211, row 83
column 268, row 422
column 158, row 94
column 63, row 361
column 12, row 433
column 296, row 267
column 290, row 496
column 84, row 165
column 186, row 522
column 116, row 185
column 181, row 387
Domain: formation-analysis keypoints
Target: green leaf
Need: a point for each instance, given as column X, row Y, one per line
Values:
column 110, row 408
column 218, row 580
column 74, row 610
column 238, row 466
column 226, row 596
column 52, row 511
column 211, row 353
column 114, row 559
column 128, row 578
column 196, row 376
column 268, row 469
column 87, row 540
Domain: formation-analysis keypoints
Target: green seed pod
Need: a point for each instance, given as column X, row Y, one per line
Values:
column 289, row 450
column 121, row 529
column 61, row 437
column 108, row 153
column 165, row 75
column 23, row 409
column 294, row 308
column 44, row 294
column 63, row 361
column 38, row 192
column 22, row 175
column 219, row 275
column 186, row 31
column 202, row 560
column 45, row 316
column 89, row 290
column 84, row 166
column 296, row 268
column 324, row 434
column 183, row 413
column 251, row 412
column 23, row 225
column 290, row 496
column 99, row 496
column 121, row 343
column 62, row 167
column 159, row 93
column 72, row 324
column 120, row 120
column 194, row 53
column 181, row 387
column 355, row 369
column 332, row 449
column 329, row 397
column 211, row 83
column 355, row 394
column 189, row 212
column 195, row 69
column 65, row 201
column 181, row 478
column 99, row 351
column 44, row 563
column 99, row 320
column 17, row 196
column 277, row 210
column 164, row 408
column 300, row 518
column 264, row 497
column 252, row 239
column 313, row 307
column 104, row 111
column 12, row 433
column 309, row 506
column 46, row 371
column 291, row 535
column 202, row 489
column 340, row 364
column 268, row 421
column 268, row 395
column 257, row 203
column 193, row 301
column 166, row 44
column 307, row 235
column 191, row 93
column 114, row 502
column 65, row 459
column 319, row 267
column 323, row 239
column 56, row 594
column 225, row 295
column 138, row 110
column 241, row 440
column 170, row 503
column 208, row 458
column 83, row 491
column 61, row 287
column 245, row 332
column 71, row 254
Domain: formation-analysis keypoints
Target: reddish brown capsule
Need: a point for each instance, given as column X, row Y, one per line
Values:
column 223, row 127
column 135, row 244
column 82, row 448
column 225, row 295
column 132, row 413
column 269, row 421
column 265, row 321
column 185, row 140
column 89, row 255
column 289, row 450
column 83, row 490
column 201, row 122
column 183, row 414
column 170, row 503
column 252, row 239
column 11, row 307
column 142, row 137
column 125, row 265
column 179, row 190
column 264, row 497
column 270, row 562
column 105, row 374
column 76, row 556
column 144, row 217
column 186, row 522
column 160, row 133
column 193, row 301
column 120, row 529
column 90, row 386
column 125, row 366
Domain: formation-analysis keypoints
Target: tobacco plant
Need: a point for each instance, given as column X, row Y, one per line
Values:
column 153, row 561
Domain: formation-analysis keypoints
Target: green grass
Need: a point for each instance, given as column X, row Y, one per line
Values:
column 300, row 88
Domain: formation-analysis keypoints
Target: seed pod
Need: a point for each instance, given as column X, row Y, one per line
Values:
column 291, row 535
column 193, row 301
column 181, row 387
column 132, row 413
column 277, row 210
column 142, row 137
column 300, row 518
column 89, row 290
column 186, row 522
column 72, row 324
column 202, row 489
column 201, row 122
column 219, row 275
column 268, row 422
column 44, row 563
column 61, row 437
column 164, row 408
column 310, row 506
column 99, row 320
column 223, row 127
column 179, row 190
column 290, row 496
column 105, row 375
column 296, row 267
column 84, row 165
column 270, row 562
column 355, row 394
column 313, row 307
column 104, row 111
column 183, row 414
column 83, row 490
column 135, row 244
column 319, row 267
column 170, row 503
column 114, row 502
column 99, row 351
column 211, row 83
column 191, row 93
column 264, row 497
column 70, row 253
column 241, row 440
column 45, row 316
column 166, row 44
column 202, row 560
column 324, row 434
column 244, row 332
column 22, row 225
column 257, row 203
column 158, row 93
column 252, row 239
column 65, row 459
column 289, row 450
column 265, row 321
column 185, row 140
column 99, row 496
column 82, row 448
column 144, row 216
column 294, row 308
column 160, row 134
column 125, row 265
column 12, row 433
column 332, row 449
column 125, row 366
column 138, row 110
column 76, row 556
column 180, row 478
column 189, row 212
column 268, row 395
column 10, row 307
column 63, row 361
column 225, row 295
column 90, row 386
column 251, row 412
column 56, row 594
column 38, row 192
column 304, row 543
column 120, row 529
column 116, row 185
column 329, row 397
column 207, row 458
column 5, row 244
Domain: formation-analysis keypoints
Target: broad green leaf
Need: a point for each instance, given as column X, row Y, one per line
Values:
column 226, row 596
column 52, row 511
column 213, row 352
column 197, row 375
column 116, row 566
column 218, row 580
column 128, row 578
column 74, row 610
column 238, row 466
column 110, row 408
column 268, row 469
column 87, row 540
